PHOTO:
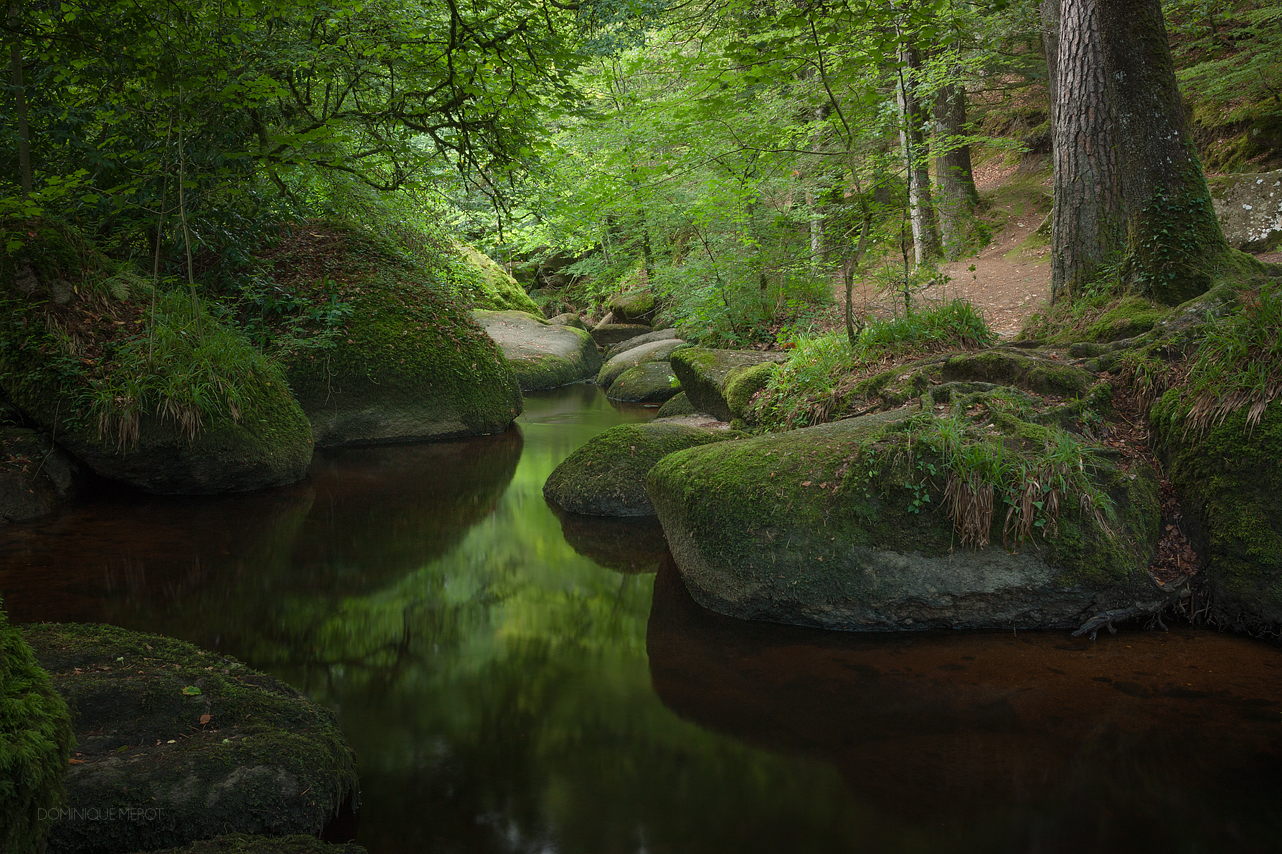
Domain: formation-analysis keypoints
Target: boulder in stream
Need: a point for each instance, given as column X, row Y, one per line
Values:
column 543, row 354
column 707, row 376
column 180, row 745
column 606, row 475
column 653, row 351
column 650, row 383
column 834, row 526
column 607, row 334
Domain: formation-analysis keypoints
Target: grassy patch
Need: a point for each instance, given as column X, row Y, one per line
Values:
column 815, row 384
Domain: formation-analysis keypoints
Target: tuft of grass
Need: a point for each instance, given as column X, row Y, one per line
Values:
column 808, row 389
column 1238, row 362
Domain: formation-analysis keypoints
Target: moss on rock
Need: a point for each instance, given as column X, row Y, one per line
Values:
column 650, row 383
column 832, row 526
column 35, row 741
column 678, row 406
column 1230, row 481
column 606, row 476
column 705, row 374
column 653, row 351
column 743, row 384
column 265, row 760
column 544, row 355
column 1036, row 374
column 633, row 307
column 489, row 285
column 609, row 334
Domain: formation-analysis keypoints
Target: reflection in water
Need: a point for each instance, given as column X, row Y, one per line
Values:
column 1029, row 742
column 493, row 677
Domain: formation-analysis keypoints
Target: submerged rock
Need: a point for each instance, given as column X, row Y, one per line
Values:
column 544, row 355
column 628, row 544
column 188, row 743
column 606, row 475
column 825, row 527
column 706, row 376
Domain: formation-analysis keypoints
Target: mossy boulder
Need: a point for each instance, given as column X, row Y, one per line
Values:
column 544, row 355
column 152, row 392
column 706, row 373
column 1249, row 208
column 242, row 843
column 654, row 351
column 1230, row 483
column 633, row 307
column 606, row 475
column 184, row 744
column 403, row 360
column 678, row 406
column 650, row 383
column 489, row 285
column 35, row 742
column 569, row 319
column 648, row 338
column 828, row 526
column 36, row 476
column 611, row 333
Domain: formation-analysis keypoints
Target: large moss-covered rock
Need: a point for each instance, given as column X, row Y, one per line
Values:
column 183, row 744
column 403, row 361
column 705, row 374
column 650, row 383
column 655, row 351
column 606, row 475
column 35, row 475
column 544, row 355
column 678, row 406
column 1032, row 371
column 647, row 338
column 489, row 285
column 1230, row 483
column 35, row 740
column 826, row 527
column 154, row 393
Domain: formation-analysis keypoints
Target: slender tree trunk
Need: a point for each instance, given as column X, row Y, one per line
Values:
column 926, row 245
column 20, row 91
column 1129, row 188
column 954, row 176
column 1050, row 47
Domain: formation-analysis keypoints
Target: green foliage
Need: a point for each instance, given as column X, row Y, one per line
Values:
column 1238, row 364
column 35, row 741
column 814, row 387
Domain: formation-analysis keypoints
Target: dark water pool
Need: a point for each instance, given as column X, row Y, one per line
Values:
column 515, row 682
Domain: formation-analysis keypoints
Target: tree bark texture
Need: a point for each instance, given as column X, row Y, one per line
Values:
column 956, row 196
column 20, row 90
column 1129, row 190
column 1050, row 47
column 912, row 136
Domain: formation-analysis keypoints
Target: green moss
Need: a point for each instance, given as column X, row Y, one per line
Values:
column 704, row 374
column 648, row 383
column 35, row 741
column 1131, row 316
column 743, row 383
column 677, row 407
column 489, row 285
column 606, row 476
column 266, row 758
column 634, row 307
column 1232, row 496
column 1010, row 368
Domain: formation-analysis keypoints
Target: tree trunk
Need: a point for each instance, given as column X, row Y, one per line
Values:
column 954, row 176
column 926, row 245
column 20, row 93
column 1129, row 189
column 1050, row 47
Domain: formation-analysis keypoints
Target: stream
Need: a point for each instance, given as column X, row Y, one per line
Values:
column 516, row 682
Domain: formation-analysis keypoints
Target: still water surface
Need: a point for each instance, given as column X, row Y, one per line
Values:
column 515, row 682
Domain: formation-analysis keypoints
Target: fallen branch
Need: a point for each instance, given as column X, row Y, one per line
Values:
column 1106, row 619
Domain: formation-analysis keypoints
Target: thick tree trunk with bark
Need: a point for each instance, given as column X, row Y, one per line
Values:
column 956, row 196
column 1129, row 190
column 926, row 246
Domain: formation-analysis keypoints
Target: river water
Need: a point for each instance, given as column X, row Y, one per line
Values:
column 515, row 682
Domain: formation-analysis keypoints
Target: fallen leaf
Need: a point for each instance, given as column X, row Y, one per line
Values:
column 75, row 762
column 191, row 691
column 204, row 719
